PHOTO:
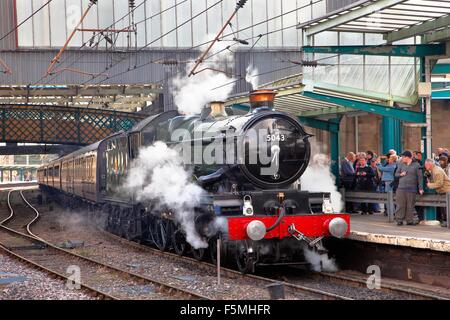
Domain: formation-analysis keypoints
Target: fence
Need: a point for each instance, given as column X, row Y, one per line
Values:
column 426, row 200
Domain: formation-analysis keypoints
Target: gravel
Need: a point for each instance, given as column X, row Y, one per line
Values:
column 56, row 228
column 20, row 282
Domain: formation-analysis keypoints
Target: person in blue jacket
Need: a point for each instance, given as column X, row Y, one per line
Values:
column 388, row 170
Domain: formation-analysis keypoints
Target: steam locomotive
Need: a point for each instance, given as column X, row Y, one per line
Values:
column 250, row 186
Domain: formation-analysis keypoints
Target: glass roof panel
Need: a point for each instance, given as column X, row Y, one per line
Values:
column 395, row 15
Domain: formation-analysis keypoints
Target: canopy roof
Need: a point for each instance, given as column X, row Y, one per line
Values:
column 396, row 19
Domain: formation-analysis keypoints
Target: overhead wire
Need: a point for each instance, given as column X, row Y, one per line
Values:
column 155, row 40
column 26, row 19
column 102, row 36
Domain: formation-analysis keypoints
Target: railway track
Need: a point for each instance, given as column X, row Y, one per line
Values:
column 294, row 289
column 100, row 279
column 230, row 273
column 290, row 283
column 358, row 281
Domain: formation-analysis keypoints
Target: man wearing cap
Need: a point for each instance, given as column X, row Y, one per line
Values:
column 409, row 173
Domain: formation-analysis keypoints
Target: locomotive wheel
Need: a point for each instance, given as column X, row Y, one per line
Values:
column 179, row 242
column 160, row 233
column 244, row 261
column 126, row 224
column 198, row 253
column 117, row 230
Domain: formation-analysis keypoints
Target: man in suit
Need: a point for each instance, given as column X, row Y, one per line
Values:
column 348, row 176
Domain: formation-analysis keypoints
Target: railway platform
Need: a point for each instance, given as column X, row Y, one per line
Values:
column 377, row 229
column 415, row 254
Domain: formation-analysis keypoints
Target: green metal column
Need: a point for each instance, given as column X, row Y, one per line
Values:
column 391, row 131
column 334, row 154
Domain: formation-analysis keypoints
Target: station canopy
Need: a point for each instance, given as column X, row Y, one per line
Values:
column 129, row 98
column 396, row 19
column 290, row 99
column 312, row 95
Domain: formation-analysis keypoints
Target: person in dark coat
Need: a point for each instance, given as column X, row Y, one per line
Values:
column 348, row 177
column 410, row 177
column 348, row 171
column 365, row 182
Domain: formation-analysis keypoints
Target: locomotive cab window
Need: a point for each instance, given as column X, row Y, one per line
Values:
column 56, row 172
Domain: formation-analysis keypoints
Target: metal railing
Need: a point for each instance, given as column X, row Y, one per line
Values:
column 388, row 199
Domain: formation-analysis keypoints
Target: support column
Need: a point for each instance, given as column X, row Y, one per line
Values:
column 425, row 76
column 391, row 134
column 334, row 150
column 428, row 110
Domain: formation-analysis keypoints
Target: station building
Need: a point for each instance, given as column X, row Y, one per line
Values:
column 349, row 69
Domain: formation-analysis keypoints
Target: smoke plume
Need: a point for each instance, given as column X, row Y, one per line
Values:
column 158, row 175
column 318, row 178
column 252, row 77
column 191, row 94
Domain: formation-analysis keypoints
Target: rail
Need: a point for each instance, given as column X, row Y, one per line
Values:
column 388, row 198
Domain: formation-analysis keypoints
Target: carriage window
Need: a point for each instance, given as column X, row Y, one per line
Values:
column 134, row 145
column 116, row 156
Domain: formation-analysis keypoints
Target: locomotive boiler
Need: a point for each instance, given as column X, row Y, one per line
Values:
column 247, row 165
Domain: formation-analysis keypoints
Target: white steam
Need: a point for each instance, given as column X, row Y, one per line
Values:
column 319, row 262
column 318, row 178
column 158, row 175
column 191, row 94
column 252, row 77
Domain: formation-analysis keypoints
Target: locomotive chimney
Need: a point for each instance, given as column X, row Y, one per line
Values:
column 262, row 99
column 217, row 109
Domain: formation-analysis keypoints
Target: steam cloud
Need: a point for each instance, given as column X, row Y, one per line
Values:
column 191, row 94
column 319, row 262
column 318, row 178
column 158, row 175
column 252, row 77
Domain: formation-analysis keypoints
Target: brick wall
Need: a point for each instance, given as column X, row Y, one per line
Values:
column 440, row 128
column 370, row 132
column 347, row 131
column 440, row 123
column 320, row 142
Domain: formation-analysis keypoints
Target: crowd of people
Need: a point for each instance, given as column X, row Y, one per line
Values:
column 407, row 174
